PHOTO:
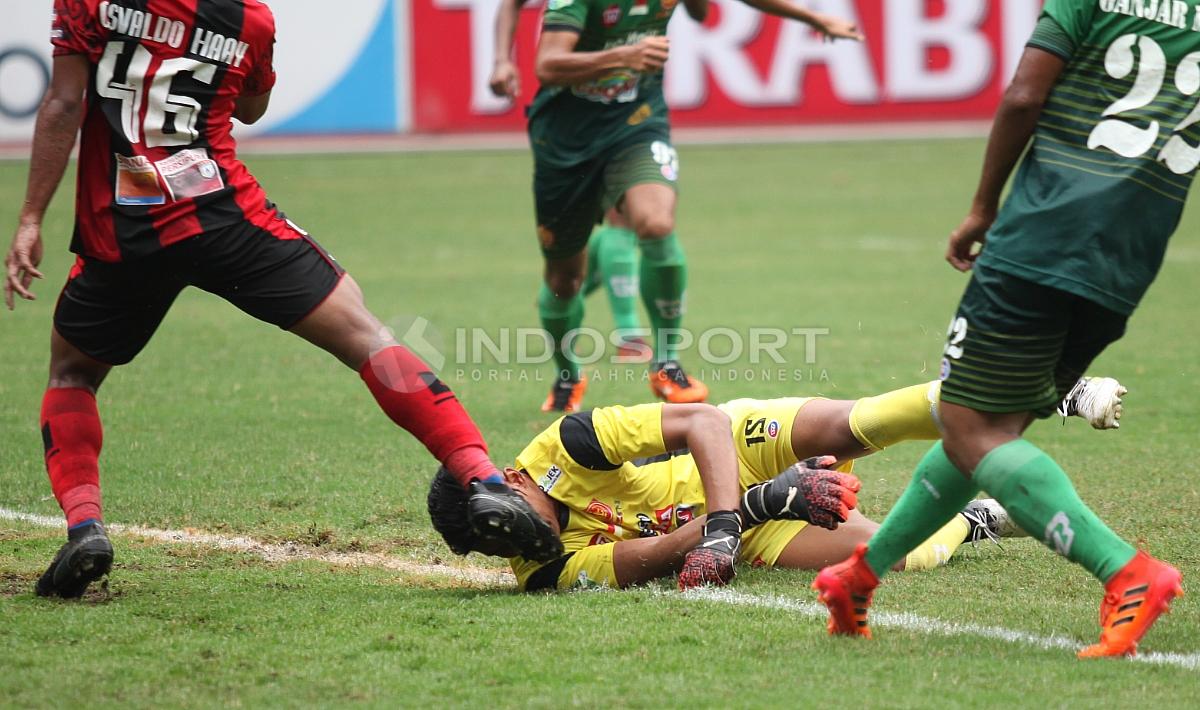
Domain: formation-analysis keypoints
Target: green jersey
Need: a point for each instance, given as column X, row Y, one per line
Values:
column 1103, row 185
column 570, row 124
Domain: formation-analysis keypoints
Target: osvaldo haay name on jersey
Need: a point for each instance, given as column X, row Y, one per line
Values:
column 162, row 30
column 1167, row 12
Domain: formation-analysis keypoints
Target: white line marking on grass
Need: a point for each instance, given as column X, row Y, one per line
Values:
column 287, row 552
column 487, row 577
column 926, row 625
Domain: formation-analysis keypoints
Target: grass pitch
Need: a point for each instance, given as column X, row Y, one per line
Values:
column 232, row 427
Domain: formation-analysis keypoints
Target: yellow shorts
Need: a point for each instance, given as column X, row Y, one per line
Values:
column 762, row 435
column 590, row 567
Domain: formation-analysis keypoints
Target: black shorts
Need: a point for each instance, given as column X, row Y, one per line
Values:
column 1018, row 346
column 109, row 311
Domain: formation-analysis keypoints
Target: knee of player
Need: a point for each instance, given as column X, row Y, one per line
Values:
column 964, row 450
column 76, row 371
column 67, row 377
column 654, row 226
column 564, row 284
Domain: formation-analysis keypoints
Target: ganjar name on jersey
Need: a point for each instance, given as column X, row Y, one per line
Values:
column 1166, row 12
column 148, row 27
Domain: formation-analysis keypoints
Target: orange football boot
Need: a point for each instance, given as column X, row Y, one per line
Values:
column 847, row 589
column 669, row 382
column 1133, row 599
column 565, row 396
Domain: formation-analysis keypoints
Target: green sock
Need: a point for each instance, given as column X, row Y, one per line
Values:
column 937, row 492
column 663, row 282
column 614, row 254
column 594, row 276
column 1040, row 498
column 559, row 317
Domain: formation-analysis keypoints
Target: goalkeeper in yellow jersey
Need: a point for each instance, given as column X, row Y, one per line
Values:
column 630, row 506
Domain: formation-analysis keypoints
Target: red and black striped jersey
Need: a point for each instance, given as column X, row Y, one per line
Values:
column 157, row 160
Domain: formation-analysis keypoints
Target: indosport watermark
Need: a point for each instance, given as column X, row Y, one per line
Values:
column 526, row 354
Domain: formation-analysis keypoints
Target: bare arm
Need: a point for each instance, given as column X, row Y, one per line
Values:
column 706, row 432
column 248, row 109
column 831, row 27
column 1015, row 121
column 558, row 64
column 648, row 558
column 505, row 80
column 53, row 139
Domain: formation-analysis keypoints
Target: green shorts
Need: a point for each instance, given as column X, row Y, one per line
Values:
column 1017, row 346
column 570, row 200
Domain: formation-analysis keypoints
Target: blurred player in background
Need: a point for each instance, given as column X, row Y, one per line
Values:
column 601, row 139
column 612, row 260
column 162, row 203
column 606, row 476
column 1110, row 101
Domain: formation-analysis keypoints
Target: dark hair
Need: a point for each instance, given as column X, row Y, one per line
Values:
column 447, row 503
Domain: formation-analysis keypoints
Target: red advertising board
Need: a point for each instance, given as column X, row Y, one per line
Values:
column 923, row 60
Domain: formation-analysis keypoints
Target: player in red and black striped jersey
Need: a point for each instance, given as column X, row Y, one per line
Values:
column 162, row 203
column 161, row 164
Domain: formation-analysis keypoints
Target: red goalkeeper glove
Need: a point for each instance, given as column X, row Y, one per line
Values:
column 807, row 491
column 712, row 561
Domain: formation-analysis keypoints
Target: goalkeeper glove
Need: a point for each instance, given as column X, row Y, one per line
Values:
column 806, row 491
column 712, row 561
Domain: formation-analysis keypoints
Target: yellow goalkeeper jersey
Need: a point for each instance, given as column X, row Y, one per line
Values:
column 615, row 479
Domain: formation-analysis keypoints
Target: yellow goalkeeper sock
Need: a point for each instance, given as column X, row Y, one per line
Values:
column 937, row 550
column 900, row 415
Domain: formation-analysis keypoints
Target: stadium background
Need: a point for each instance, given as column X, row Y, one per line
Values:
column 332, row 589
column 421, row 66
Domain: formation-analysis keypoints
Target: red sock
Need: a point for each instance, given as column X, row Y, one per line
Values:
column 408, row 391
column 72, row 435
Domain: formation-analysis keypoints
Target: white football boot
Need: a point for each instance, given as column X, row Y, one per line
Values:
column 989, row 521
column 1096, row 399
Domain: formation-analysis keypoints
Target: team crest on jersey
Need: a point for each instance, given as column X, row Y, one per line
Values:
column 664, row 516
column 684, row 514
column 612, row 15
column 547, row 482
column 601, row 510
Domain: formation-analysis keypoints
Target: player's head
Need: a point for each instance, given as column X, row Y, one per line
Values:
column 447, row 503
